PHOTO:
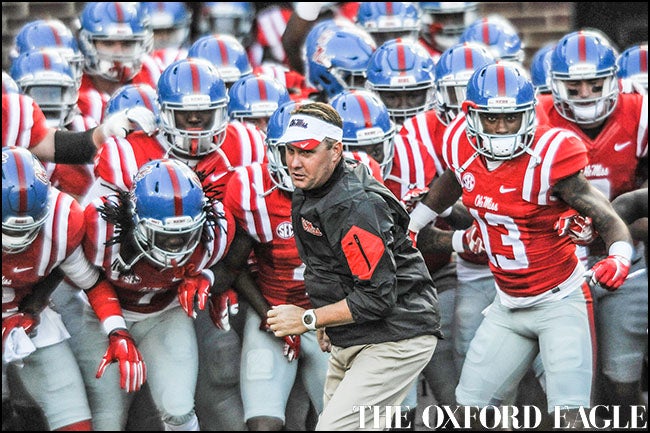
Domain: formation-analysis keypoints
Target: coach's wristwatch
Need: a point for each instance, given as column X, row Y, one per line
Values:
column 309, row 320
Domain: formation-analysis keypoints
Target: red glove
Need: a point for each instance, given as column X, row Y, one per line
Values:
column 413, row 196
column 469, row 245
column 610, row 272
column 122, row 348
column 26, row 321
column 196, row 285
column 577, row 227
column 222, row 306
column 291, row 347
column 468, row 241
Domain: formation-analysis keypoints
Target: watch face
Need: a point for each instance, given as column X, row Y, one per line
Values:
column 309, row 319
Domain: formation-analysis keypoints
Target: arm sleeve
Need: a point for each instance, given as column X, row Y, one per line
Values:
column 366, row 247
column 74, row 147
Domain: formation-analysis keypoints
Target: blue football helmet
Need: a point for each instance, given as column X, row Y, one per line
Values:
column 453, row 70
column 231, row 18
column 50, row 33
column 45, row 75
column 633, row 64
column 402, row 73
column 367, row 126
column 225, row 53
column 390, row 20
column 275, row 149
column 500, row 88
column 125, row 22
column 322, row 25
column 193, row 84
column 8, row 84
column 168, row 206
column 171, row 19
column 134, row 95
column 583, row 56
column 25, row 198
column 444, row 22
column 338, row 58
column 540, row 68
column 256, row 97
column 499, row 36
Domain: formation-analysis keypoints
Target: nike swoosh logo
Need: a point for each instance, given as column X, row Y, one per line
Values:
column 504, row 190
column 18, row 270
column 620, row 146
column 216, row 177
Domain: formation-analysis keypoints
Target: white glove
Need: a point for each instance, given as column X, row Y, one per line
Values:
column 135, row 118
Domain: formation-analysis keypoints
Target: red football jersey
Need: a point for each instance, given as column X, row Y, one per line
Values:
column 264, row 212
column 244, row 144
column 413, row 167
column 119, row 159
column 58, row 238
column 514, row 207
column 614, row 154
column 23, row 122
column 429, row 130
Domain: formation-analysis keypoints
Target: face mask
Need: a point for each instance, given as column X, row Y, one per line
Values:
column 504, row 146
column 588, row 112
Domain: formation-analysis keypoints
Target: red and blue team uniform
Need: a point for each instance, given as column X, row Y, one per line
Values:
column 267, row 219
column 515, row 209
column 618, row 158
column 146, row 288
column 543, row 306
column 61, row 396
column 613, row 152
column 264, row 211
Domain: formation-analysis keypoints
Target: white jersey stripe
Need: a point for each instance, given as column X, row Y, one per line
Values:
column 642, row 132
column 246, row 202
column 258, row 186
column 64, row 204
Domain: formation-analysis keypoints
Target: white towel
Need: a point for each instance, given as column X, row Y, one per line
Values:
column 50, row 330
column 17, row 346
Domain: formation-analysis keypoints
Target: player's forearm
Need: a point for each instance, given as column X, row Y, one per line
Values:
column 246, row 286
column 443, row 193
column 434, row 240
column 578, row 193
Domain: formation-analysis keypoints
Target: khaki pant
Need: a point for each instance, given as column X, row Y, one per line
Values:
column 364, row 379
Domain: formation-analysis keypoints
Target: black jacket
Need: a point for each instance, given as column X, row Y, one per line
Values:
column 352, row 236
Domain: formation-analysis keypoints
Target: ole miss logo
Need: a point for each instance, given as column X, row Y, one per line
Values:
column 310, row 228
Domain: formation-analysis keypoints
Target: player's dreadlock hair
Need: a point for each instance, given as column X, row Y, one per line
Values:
column 213, row 193
column 117, row 209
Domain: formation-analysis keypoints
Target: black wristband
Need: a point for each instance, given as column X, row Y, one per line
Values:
column 74, row 147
